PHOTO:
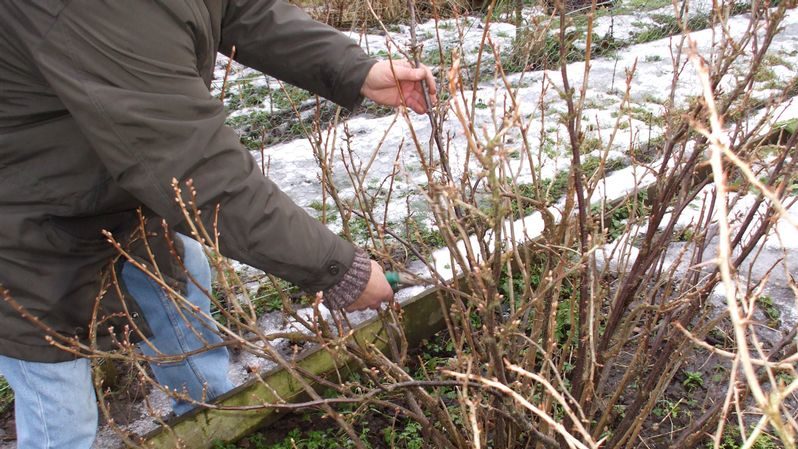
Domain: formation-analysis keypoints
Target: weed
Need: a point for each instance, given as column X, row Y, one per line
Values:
column 667, row 25
column 371, row 108
column 644, row 115
column 529, row 53
column 409, row 437
column 785, row 378
column 359, row 229
column 771, row 311
column 686, row 234
column 630, row 6
column 247, row 95
column 435, row 58
column 591, row 164
column 666, row 407
column 564, row 325
column 764, row 74
column 774, row 60
column 283, row 98
column 384, row 54
column 6, row 395
column 313, row 439
column 731, row 439
column 695, row 379
column 616, row 218
column 419, row 233
column 649, row 98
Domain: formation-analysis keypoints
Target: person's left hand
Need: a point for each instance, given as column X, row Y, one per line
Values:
column 381, row 84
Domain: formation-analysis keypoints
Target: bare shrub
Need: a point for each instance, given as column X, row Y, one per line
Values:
column 577, row 314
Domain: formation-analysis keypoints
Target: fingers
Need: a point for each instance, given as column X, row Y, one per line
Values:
column 381, row 85
column 416, row 106
column 414, row 92
column 377, row 291
column 407, row 72
column 433, row 90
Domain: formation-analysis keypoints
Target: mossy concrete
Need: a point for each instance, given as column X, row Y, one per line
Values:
column 423, row 316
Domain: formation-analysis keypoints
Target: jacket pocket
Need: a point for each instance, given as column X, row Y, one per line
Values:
column 85, row 234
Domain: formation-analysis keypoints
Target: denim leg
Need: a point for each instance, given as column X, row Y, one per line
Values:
column 202, row 376
column 54, row 403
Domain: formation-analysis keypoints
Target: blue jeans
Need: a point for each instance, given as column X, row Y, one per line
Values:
column 55, row 404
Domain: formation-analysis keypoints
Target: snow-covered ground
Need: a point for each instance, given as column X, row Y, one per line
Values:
column 290, row 161
column 293, row 167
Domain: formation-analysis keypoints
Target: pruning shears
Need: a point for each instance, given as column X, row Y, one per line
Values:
column 399, row 280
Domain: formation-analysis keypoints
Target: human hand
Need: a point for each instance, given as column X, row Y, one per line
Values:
column 376, row 292
column 381, row 85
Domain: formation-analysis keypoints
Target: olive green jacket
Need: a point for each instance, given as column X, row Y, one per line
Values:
column 102, row 104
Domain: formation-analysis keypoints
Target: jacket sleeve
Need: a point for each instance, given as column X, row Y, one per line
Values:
column 281, row 40
column 127, row 73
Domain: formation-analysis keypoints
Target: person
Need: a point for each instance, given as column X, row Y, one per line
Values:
column 102, row 104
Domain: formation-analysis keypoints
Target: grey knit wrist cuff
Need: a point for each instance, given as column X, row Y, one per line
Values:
column 351, row 286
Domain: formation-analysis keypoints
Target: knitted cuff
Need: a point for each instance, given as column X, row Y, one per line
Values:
column 351, row 286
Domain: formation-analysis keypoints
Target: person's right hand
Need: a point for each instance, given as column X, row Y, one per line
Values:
column 383, row 82
column 377, row 291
